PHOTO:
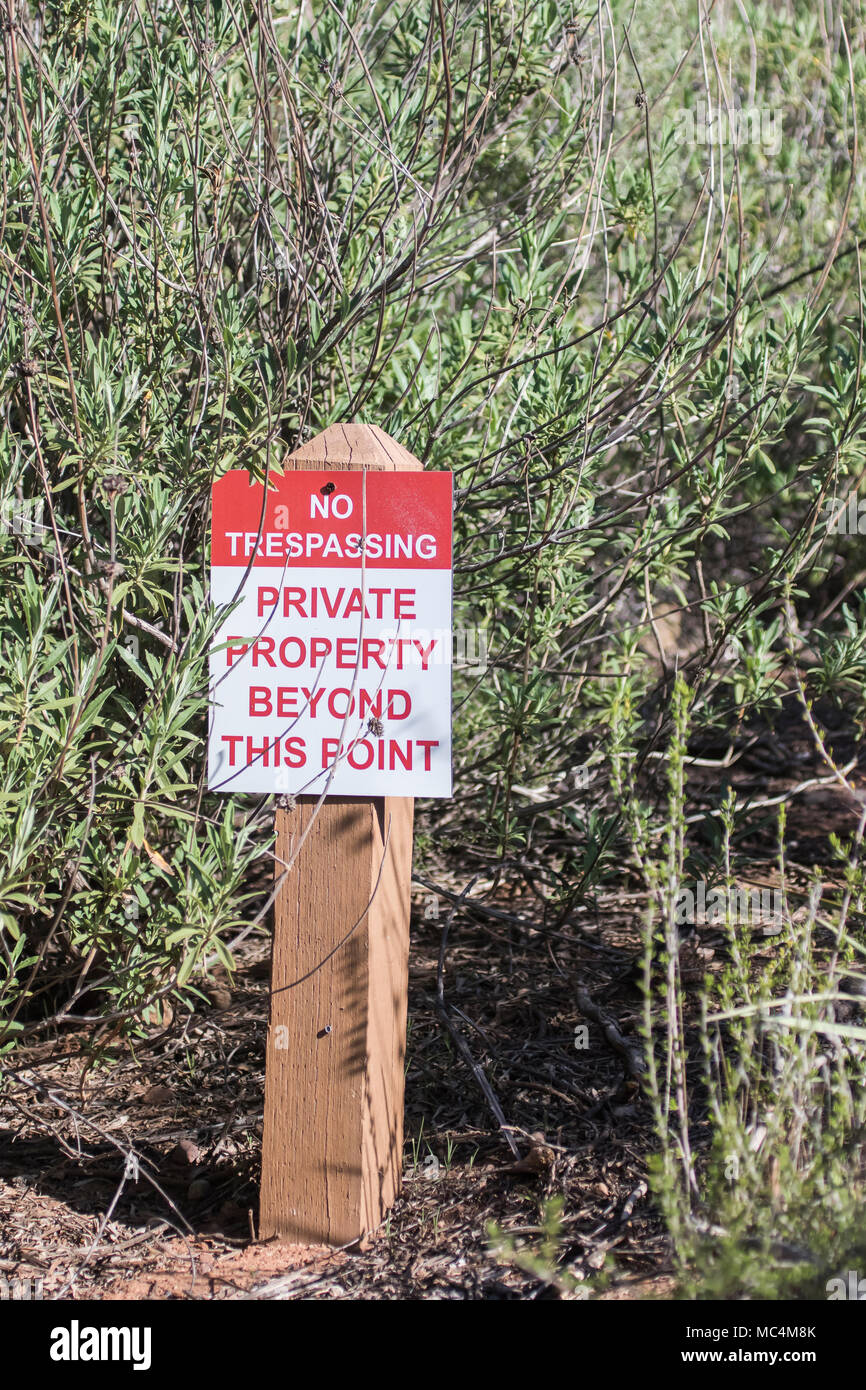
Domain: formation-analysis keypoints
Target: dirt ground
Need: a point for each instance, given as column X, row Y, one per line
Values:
column 191, row 1106
column 140, row 1180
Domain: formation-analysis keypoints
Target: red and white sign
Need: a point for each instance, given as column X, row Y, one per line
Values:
column 334, row 667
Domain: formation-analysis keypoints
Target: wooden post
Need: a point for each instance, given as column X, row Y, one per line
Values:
column 332, row 1151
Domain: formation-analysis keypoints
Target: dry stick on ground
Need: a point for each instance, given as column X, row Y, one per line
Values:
column 459, row 1041
column 622, row 1214
column 629, row 1052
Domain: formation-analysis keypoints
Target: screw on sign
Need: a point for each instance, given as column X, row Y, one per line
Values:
column 331, row 688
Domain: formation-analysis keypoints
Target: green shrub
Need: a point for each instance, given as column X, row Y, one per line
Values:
column 506, row 235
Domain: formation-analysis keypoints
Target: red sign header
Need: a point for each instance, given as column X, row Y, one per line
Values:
column 330, row 519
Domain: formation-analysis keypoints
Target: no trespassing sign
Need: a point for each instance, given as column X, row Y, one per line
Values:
column 332, row 667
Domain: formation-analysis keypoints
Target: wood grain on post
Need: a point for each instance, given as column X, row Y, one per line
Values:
column 332, row 1151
